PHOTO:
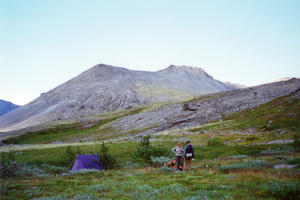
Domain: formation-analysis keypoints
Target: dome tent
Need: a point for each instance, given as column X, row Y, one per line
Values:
column 87, row 161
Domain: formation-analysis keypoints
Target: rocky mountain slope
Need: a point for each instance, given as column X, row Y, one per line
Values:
column 165, row 117
column 107, row 88
column 204, row 109
column 6, row 107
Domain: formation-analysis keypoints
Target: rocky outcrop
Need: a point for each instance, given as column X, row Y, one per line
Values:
column 107, row 88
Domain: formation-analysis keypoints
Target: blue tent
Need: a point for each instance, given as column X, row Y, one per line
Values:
column 87, row 161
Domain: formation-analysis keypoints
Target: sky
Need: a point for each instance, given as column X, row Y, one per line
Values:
column 44, row 43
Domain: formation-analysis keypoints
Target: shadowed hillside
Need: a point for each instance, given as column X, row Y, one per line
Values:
column 6, row 107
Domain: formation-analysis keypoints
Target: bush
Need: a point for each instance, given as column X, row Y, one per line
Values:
column 69, row 156
column 54, row 169
column 11, row 168
column 296, row 142
column 251, row 138
column 159, row 161
column 271, row 152
column 215, row 142
column 295, row 161
column 9, row 165
column 248, row 165
column 283, row 190
column 31, row 170
column 145, row 151
column 207, row 195
column 108, row 160
column 165, row 169
column 175, row 188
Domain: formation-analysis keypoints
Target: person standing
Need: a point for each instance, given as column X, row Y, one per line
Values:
column 188, row 155
column 178, row 154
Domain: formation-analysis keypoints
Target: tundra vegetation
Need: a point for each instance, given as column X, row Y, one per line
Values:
column 252, row 154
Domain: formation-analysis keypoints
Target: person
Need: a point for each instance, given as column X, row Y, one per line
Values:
column 178, row 155
column 188, row 155
column 171, row 164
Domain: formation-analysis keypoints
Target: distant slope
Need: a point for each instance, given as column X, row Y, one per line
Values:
column 267, row 107
column 107, row 88
column 282, row 113
column 6, row 107
column 204, row 109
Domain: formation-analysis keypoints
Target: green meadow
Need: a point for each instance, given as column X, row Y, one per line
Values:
column 253, row 154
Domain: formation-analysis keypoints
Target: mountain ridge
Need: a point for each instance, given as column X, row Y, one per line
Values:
column 105, row 88
column 6, row 107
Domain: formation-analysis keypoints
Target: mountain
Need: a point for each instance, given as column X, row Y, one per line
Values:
column 107, row 88
column 273, row 107
column 205, row 108
column 6, row 107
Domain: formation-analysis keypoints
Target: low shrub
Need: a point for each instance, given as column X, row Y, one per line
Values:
column 131, row 165
column 98, row 188
column 32, row 170
column 238, row 157
column 175, row 188
column 272, row 152
column 3, row 188
column 165, row 169
column 51, row 169
column 65, row 197
column 9, row 165
column 208, row 194
column 295, row 161
column 248, row 165
column 145, row 192
column 149, row 192
column 86, row 171
column 159, row 161
column 251, row 138
column 210, row 165
column 283, row 190
column 11, row 168
column 215, row 142
column 145, row 151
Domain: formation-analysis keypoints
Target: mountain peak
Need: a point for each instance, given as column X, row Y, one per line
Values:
column 186, row 69
column 104, row 88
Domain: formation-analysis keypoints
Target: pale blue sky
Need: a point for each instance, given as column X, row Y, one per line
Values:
column 44, row 43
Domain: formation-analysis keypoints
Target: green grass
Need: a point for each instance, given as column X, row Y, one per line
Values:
column 72, row 131
column 204, row 181
column 132, row 182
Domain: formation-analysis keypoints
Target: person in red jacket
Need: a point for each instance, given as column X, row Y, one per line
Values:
column 188, row 155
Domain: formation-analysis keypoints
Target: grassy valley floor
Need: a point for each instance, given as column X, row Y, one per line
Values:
column 219, row 172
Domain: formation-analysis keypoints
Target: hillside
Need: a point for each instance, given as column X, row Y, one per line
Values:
column 246, row 139
column 105, row 88
column 188, row 116
column 6, row 107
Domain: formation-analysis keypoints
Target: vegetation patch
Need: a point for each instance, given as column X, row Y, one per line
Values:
column 248, row 165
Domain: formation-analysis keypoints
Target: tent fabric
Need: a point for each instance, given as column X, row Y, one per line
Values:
column 86, row 161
